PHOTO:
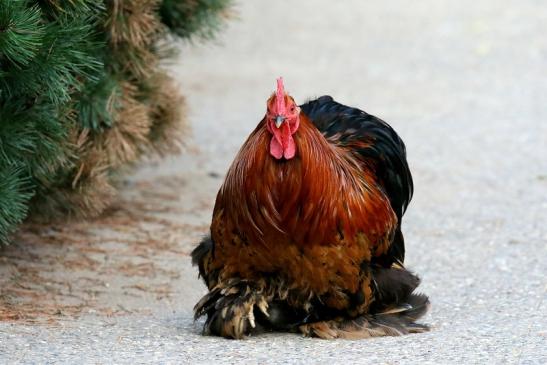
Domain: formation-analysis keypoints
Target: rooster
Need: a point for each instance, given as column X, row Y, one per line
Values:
column 306, row 229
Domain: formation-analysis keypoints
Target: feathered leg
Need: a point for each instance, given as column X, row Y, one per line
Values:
column 230, row 305
column 230, row 308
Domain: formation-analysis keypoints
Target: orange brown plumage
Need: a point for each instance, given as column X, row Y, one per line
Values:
column 306, row 229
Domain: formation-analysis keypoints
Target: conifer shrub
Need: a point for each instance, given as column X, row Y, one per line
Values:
column 82, row 95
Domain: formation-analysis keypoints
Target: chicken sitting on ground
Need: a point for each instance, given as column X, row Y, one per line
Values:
column 306, row 230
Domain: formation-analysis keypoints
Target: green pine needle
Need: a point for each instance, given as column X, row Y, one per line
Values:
column 33, row 138
column 21, row 31
column 97, row 103
column 69, row 55
column 200, row 19
column 16, row 193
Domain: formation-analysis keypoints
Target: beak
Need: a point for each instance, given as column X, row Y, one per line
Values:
column 279, row 120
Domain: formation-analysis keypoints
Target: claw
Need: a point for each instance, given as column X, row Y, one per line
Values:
column 252, row 317
column 263, row 306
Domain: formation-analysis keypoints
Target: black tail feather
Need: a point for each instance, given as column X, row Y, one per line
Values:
column 404, row 321
column 395, row 322
column 392, row 286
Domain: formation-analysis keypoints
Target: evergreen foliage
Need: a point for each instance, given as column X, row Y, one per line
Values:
column 197, row 18
column 81, row 95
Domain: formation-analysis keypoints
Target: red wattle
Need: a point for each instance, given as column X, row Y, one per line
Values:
column 282, row 144
column 290, row 149
column 276, row 150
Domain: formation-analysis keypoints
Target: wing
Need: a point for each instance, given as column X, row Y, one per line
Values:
column 377, row 146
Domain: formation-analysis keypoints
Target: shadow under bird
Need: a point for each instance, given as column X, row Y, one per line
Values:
column 306, row 230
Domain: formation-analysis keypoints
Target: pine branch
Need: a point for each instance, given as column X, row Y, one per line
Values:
column 191, row 19
column 68, row 55
column 21, row 32
column 55, row 7
column 97, row 102
column 32, row 138
column 81, row 96
column 16, row 192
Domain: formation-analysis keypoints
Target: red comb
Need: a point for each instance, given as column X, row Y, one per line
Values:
column 280, row 97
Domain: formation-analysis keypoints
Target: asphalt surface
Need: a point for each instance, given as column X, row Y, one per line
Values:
column 465, row 85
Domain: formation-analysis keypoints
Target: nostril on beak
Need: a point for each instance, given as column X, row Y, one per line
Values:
column 279, row 120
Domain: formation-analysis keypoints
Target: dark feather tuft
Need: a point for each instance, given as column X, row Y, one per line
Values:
column 199, row 255
column 394, row 323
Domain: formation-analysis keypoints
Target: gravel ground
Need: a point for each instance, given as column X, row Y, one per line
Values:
column 465, row 85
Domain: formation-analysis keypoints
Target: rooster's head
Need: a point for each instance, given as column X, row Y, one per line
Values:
column 282, row 120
